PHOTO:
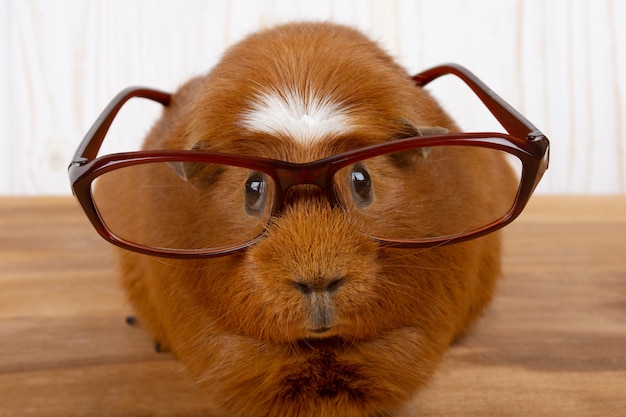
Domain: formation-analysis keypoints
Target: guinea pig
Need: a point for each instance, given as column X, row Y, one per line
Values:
column 315, row 318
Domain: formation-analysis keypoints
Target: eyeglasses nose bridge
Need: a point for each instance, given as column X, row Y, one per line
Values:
column 319, row 176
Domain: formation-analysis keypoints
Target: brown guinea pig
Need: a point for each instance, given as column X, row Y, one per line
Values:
column 316, row 318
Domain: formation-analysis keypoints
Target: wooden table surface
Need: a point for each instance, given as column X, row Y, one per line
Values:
column 553, row 343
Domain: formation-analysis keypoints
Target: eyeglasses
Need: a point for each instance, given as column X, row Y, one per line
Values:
column 393, row 192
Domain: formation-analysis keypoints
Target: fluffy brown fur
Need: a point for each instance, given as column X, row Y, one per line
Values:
column 237, row 322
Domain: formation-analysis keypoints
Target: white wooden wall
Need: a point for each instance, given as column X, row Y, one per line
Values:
column 561, row 62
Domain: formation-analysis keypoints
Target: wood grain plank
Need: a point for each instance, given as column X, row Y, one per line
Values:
column 552, row 342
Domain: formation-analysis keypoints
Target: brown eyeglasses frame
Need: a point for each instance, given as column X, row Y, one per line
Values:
column 523, row 140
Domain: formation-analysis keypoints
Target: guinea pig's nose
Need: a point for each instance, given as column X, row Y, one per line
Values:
column 322, row 286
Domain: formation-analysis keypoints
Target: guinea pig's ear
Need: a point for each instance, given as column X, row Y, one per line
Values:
column 408, row 130
column 431, row 130
column 190, row 171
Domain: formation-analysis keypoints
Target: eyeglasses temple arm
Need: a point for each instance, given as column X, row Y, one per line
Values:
column 516, row 124
column 90, row 145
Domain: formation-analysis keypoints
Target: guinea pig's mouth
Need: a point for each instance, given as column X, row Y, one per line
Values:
column 320, row 330
column 327, row 343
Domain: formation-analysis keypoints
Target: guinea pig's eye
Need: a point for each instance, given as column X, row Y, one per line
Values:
column 255, row 190
column 361, row 185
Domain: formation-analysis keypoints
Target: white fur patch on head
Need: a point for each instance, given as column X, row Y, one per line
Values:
column 304, row 117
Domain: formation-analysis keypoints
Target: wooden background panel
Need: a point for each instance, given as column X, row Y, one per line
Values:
column 561, row 62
